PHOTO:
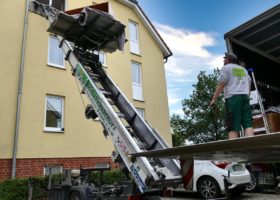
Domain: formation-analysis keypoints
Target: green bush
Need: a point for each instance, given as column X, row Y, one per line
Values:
column 109, row 177
column 18, row 189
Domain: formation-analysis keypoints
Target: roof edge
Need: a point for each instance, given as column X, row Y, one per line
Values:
column 251, row 22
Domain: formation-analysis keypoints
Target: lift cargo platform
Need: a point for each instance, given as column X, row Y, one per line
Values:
column 260, row 148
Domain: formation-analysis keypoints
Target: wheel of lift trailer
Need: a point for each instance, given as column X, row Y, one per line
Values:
column 208, row 188
column 151, row 198
column 75, row 196
column 253, row 185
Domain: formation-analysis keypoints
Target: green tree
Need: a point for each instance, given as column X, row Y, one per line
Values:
column 200, row 123
column 179, row 127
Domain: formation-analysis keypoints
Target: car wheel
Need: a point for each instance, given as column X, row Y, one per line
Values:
column 208, row 188
column 253, row 185
column 75, row 196
column 236, row 192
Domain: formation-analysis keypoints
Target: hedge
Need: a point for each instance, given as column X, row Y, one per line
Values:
column 17, row 189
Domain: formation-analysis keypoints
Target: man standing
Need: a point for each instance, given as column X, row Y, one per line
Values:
column 236, row 83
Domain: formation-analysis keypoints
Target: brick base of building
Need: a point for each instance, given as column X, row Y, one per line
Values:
column 35, row 166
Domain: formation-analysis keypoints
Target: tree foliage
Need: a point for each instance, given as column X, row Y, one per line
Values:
column 200, row 123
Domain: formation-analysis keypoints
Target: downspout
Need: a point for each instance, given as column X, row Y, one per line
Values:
column 21, row 70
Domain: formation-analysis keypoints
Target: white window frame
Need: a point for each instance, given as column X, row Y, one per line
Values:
column 104, row 64
column 137, row 88
column 141, row 112
column 134, row 43
column 54, row 129
column 46, row 172
column 54, row 64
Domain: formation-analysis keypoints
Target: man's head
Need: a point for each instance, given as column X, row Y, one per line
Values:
column 230, row 58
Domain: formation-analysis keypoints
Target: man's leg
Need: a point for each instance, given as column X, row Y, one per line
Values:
column 249, row 132
column 233, row 134
column 247, row 117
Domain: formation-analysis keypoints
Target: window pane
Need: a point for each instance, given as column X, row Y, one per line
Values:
column 137, row 90
column 134, row 38
column 58, row 4
column 141, row 112
column 102, row 58
column 54, row 109
column 47, row 2
column 136, row 73
column 55, row 53
column 133, row 33
column 54, row 169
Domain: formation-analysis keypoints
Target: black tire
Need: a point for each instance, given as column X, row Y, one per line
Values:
column 237, row 192
column 151, row 198
column 75, row 196
column 253, row 186
column 208, row 188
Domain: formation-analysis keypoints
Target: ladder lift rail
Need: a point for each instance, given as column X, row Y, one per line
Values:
column 121, row 138
column 142, row 169
column 263, row 115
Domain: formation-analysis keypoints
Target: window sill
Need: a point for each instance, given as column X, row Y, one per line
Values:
column 136, row 54
column 139, row 100
column 56, row 66
column 46, row 130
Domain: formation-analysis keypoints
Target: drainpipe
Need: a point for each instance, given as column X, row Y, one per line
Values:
column 21, row 70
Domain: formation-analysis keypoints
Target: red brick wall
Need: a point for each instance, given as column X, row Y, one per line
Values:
column 35, row 166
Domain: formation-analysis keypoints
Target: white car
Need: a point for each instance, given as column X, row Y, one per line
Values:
column 208, row 178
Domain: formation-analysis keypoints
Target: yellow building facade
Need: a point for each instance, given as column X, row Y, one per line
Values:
column 80, row 141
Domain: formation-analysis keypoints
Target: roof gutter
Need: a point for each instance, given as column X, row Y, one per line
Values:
column 21, row 70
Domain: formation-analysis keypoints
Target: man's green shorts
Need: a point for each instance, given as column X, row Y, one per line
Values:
column 238, row 112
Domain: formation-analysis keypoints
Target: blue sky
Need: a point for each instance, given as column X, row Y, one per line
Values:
column 194, row 30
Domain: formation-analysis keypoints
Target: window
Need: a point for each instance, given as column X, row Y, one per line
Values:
column 55, row 56
column 102, row 58
column 136, row 81
column 54, row 117
column 58, row 4
column 141, row 112
column 55, row 169
column 134, row 37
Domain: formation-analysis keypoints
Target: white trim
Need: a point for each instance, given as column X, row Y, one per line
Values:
column 147, row 24
column 54, row 165
column 137, row 87
column 105, row 58
column 141, row 112
column 65, row 5
column 54, row 129
column 132, row 41
column 54, row 64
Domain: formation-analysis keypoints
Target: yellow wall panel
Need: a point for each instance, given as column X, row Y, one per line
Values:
column 82, row 137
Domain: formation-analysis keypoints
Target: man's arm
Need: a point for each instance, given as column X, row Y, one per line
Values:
column 217, row 93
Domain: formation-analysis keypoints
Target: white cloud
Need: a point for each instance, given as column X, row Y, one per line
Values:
column 178, row 112
column 185, row 42
column 174, row 100
column 190, row 56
